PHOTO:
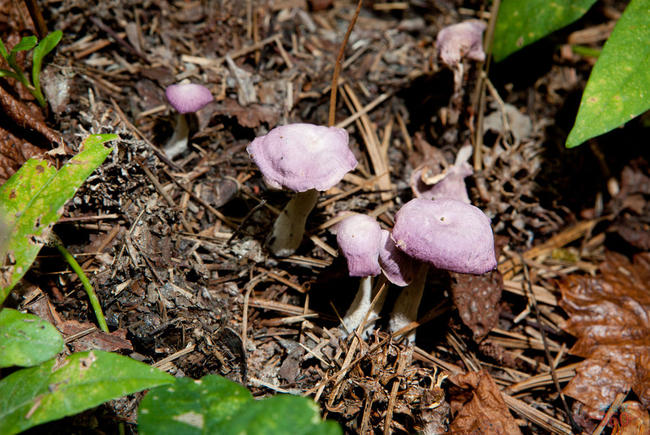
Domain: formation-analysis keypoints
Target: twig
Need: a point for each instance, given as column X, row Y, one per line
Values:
column 549, row 359
column 337, row 66
column 37, row 18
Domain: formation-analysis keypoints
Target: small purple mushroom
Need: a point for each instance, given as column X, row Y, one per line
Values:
column 305, row 158
column 458, row 41
column 450, row 183
column 445, row 233
column 186, row 98
column 359, row 238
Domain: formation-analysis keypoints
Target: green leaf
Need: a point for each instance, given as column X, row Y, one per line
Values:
column 5, row 73
column 619, row 85
column 522, row 22
column 56, row 389
column 25, row 44
column 32, row 200
column 3, row 50
column 217, row 405
column 46, row 45
column 26, row 340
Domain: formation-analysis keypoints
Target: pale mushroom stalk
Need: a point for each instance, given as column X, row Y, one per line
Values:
column 289, row 227
column 177, row 144
column 362, row 305
column 407, row 304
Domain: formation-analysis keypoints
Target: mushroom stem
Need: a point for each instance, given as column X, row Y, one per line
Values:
column 361, row 305
column 406, row 306
column 289, row 227
column 177, row 144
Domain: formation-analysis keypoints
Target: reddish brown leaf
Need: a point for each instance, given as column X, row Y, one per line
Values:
column 25, row 118
column 13, row 153
column 610, row 315
column 96, row 339
column 477, row 299
column 479, row 407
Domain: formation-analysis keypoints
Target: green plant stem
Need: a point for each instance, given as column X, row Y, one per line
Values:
column 585, row 51
column 94, row 301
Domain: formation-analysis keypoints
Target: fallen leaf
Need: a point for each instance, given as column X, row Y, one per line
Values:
column 96, row 339
column 610, row 316
column 24, row 118
column 633, row 419
column 13, row 153
column 631, row 206
column 479, row 407
column 477, row 299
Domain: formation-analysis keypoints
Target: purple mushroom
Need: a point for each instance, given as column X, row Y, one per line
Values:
column 305, row 158
column 450, row 183
column 458, row 41
column 186, row 98
column 359, row 238
column 445, row 233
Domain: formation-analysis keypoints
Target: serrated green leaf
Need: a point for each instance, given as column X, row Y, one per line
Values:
column 217, row 405
column 26, row 43
column 53, row 390
column 46, row 45
column 26, row 340
column 619, row 85
column 32, row 200
column 522, row 22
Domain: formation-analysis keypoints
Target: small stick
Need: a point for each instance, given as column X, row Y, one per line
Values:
column 37, row 18
column 337, row 66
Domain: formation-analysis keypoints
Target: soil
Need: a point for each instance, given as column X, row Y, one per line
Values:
column 176, row 248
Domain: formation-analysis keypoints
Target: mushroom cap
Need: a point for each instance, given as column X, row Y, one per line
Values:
column 446, row 233
column 461, row 40
column 452, row 185
column 359, row 238
column 303, row 156
column 398, row 267
column 188, row 97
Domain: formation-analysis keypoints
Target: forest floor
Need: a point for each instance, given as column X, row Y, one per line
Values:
column 175, row 248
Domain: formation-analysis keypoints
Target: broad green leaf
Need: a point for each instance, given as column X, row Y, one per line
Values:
column 217, row 405
column 26, row 340
column 46, row 45
column 32, row 200
column 56, row 389
column 619, row 85
column 25, row 44
column 522, row 22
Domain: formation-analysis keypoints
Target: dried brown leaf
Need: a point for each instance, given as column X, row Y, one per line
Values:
column 477, row 299
column 25, row 118
column 479, row 407
column 632, row 420
column 631, row 205
column 13, row 153
column 610, row 315
column 96, row 339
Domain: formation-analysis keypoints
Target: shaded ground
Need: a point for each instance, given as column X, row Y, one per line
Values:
column 176, row 248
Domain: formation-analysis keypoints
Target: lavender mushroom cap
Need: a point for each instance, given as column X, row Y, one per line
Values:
column 398, row 267
column 447, row 233
column 359, row 238
column 303, row 156
column 188, row 97
column 461, row 40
